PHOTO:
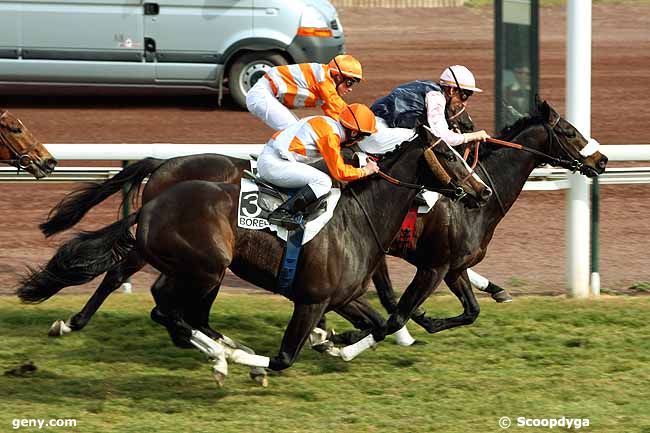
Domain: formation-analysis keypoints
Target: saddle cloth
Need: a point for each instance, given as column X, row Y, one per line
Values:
column 430, row 198
column 251, row 216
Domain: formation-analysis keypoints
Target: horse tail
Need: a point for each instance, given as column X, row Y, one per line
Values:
column 79, row 260
column 72, row 208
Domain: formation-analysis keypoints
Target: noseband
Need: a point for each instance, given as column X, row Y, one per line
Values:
column 20, row 160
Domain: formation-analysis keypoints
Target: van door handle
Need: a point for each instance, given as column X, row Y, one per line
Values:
column 151, row 8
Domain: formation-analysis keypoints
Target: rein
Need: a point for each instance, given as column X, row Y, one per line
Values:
column 570, row 164
column 397, row 182
column 494, row 188
column 372, row 226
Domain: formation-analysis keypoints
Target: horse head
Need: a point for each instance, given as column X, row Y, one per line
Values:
column 450, row 169
column 572, row 150
column 440, row 169
column 19, row 148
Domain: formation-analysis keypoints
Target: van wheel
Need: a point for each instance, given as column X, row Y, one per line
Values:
column 247, row 69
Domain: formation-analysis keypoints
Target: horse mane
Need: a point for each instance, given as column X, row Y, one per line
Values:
column 509, row 132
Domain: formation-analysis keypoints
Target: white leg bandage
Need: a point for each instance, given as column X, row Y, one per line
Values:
column 348, row 353
column 403, row 337
column 207, row 345
column 477, row 280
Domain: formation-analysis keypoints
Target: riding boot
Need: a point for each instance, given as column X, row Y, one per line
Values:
column 288, row 213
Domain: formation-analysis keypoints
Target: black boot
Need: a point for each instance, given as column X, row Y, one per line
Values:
column 287, row 214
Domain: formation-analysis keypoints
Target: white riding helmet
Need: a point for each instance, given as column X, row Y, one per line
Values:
column 459, row 75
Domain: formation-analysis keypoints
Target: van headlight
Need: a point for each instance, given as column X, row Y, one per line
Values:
column 314, row 23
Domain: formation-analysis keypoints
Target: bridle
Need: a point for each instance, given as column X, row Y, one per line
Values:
column 569, row 164
column 572, row 164
column 21, row 160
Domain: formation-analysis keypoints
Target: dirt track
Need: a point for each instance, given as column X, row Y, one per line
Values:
column 527, row 252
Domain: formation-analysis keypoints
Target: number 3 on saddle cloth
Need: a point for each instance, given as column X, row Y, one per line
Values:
column 257, row 199
column 405, row 239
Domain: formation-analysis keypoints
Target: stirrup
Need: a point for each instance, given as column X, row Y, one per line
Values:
column 284, row 218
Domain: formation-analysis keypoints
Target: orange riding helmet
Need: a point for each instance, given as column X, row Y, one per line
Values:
column 346, row 65
column 358, row 117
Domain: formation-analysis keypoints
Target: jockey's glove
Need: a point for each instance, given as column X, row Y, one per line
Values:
column 475, row 136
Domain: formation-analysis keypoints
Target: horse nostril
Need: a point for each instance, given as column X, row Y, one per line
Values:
column 50, row 164
column 486, row 193
column 603, row 162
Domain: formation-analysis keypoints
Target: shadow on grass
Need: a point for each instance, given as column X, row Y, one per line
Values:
column 123, row 336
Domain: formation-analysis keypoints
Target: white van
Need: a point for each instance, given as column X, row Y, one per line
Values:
column 189, row 44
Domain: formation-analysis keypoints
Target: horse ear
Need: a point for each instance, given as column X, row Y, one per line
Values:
column 550, row 113
column 425, row 134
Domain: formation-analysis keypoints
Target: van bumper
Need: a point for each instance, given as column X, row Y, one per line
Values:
column 306, row 49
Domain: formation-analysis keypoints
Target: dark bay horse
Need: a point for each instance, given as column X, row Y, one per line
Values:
column 163, row 174
column 189, row 233
column 20, row 149
column 452, row 238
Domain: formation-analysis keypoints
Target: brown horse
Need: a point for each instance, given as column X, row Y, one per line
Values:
column 163, row 174
column 20, row 149
column 452, row 238
column 189, row 233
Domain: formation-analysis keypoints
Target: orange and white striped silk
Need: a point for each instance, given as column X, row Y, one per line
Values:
column 313, row 138
column 306, row 85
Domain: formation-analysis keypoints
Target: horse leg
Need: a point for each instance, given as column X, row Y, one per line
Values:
column 388, row 299
column 111, row 282
column 497, row 293
column 304, row 319
column 172, row 310
column 197, row 314
column 361, row 314
column 459, row 284
column 424, row 283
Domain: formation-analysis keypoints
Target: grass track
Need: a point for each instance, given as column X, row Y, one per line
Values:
column 538, row 357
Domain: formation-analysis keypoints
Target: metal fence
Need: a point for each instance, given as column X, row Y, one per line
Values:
column 541, row 179
column 397, row 3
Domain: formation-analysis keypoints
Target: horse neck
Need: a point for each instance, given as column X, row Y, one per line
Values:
column 385, row 203
column 509, row 170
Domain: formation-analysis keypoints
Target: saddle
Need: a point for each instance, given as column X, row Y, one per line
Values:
column 270, row 197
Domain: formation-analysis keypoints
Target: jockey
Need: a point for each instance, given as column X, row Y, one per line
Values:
column 303, row 85
column 285, row 158
column 424, row 102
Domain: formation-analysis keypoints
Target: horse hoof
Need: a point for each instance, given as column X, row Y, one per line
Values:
column 220, row 378
column 327, row 347
column 260, row 379
column 502, row 297
column 58, row 329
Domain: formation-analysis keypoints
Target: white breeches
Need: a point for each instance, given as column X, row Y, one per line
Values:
column 385, row 139
column 290, row 173
column 262, row 103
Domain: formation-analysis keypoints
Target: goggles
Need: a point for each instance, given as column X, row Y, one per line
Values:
column 463, row 93
column 349, row 82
